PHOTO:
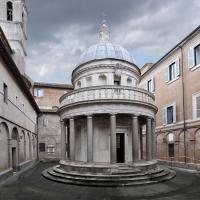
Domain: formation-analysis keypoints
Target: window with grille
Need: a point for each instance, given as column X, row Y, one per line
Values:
column 9, row 11
column 42, row 147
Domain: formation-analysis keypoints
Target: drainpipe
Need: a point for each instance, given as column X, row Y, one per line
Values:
column 183, row 105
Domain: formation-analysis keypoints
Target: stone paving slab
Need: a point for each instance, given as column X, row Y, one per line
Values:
column 32, row 186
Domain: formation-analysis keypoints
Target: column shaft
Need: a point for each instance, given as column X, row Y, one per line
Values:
column 153, row 140
column 135, row 139
column 89, row 139
column 148, row 140
column 113, row 138
column 63, row 140
column 72, row 139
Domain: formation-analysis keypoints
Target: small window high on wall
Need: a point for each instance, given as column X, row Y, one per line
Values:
column 9, row 11
column 117, row 80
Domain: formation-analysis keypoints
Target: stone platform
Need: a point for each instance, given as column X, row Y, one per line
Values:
column 108, row 175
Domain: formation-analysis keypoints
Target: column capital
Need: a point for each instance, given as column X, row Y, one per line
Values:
column 135, row 116
column 71, row 118
column 89, row 116
column 113, row 114
column 61, row 121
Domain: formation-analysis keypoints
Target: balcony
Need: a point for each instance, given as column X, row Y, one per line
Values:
column 107, row 93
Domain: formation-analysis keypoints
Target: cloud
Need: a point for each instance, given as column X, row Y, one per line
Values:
column 59, row 31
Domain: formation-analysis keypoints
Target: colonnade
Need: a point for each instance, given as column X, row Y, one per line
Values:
column 150, row 139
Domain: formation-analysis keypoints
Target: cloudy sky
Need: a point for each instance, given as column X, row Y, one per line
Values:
column 60, row 30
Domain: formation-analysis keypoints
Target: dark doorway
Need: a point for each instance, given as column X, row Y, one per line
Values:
column 171, row 150
column 14, row 159
column 120, row 148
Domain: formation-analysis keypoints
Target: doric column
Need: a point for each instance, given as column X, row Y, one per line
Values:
column 148, row 140
column 72, row 139
column 153, row 140
column 113, row 138
column 135, row 139
column 63, row 140
column 9, row 153
column 89, row 139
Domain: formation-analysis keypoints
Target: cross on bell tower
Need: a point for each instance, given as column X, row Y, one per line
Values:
column 13, row 20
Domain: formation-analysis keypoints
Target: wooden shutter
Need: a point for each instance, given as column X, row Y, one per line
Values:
column 177, row 67
column 145, row 85
column 191, row 57
column 153, row 84
column 174, row 113
column 167, row 74
column 164, row 116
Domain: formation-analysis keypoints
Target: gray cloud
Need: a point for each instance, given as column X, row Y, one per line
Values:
column 60, row 30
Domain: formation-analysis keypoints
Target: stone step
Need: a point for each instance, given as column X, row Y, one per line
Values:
column 107, row 179
column 106, row 176
column 164, row 176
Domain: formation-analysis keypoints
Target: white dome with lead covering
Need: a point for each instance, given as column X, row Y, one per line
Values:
column 105, row 49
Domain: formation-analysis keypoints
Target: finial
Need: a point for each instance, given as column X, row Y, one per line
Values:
column 104, row 34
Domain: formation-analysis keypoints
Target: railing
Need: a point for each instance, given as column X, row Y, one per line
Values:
column 107, row 93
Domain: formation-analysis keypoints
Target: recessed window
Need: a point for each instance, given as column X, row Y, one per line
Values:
column 150, row 85
column 38, row 92
column 172, row 71
column 171, row 150
column 5, row 93
column 129, row 81
column 42, row 147
column 9, row 11
column 50, row 149
column 117, row 80
column 196, row 106
column 102, row 79
column 197, row 55
column 79, row 84
column 169, row 114
column 45, row 122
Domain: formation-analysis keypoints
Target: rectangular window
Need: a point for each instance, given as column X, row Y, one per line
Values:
column 196, row 106
column 172, row 74
column 5, row 93
column 38, row 92
column 171, row 150
column 149, row 85
column 50, row 149
column 197, row 55
column 42, row 147
column 170, row 115
column 45, row 122
column 116, row 82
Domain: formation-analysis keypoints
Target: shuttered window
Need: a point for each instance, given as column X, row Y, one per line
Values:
column 197, row 55
column 172, row 71
column 194, row 56
column 198, row 106
column 150, row 85
column 169, row 114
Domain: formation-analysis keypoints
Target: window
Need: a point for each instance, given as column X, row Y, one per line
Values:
column 196, row 106
column 117, row 80
column 150, row 85
column 9, row 11
column 5, row 93
column 102, row 79
column 50, row 149
column 42, row 147
column 129, row 81
column 38, row 92
column 79, row 84
column 194, row 56
column 45, row 122
column 173, row 71
column 197, row 55
column 169, row 114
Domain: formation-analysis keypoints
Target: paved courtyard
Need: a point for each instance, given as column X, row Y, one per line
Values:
column 32, row 186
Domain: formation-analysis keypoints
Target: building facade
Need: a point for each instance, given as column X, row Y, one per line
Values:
column 174, row 80
column 47, row 97
column 18, row 110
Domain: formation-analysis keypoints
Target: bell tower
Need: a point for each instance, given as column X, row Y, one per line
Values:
column 13, row 21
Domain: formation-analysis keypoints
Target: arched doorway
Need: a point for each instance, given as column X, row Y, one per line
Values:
column 4, row 155
column 14, row 149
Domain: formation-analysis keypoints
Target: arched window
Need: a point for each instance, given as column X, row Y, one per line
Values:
column 102, row 79
column 170, row 140
column 9, row 11
column 129, row 81
column 117, row 79
column 89, row 81
column 79, row 84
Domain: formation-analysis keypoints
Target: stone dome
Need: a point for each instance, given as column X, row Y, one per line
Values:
column 105, row 49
